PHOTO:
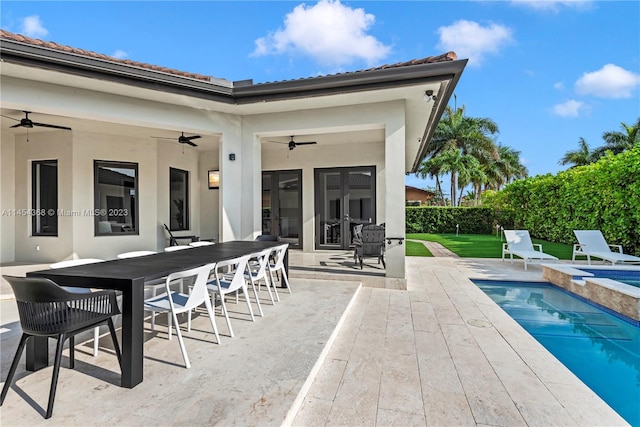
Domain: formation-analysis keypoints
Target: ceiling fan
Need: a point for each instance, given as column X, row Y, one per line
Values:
column 293, row 144
column 182, row 139
column 26, row 122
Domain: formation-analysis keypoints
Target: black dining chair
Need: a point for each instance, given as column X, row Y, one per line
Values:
column 47, row 310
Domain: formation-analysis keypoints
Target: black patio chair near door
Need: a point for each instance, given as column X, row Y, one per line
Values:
column 47, row 310
column 371, row 244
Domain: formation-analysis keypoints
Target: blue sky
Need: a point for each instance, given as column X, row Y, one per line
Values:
column 548, row 72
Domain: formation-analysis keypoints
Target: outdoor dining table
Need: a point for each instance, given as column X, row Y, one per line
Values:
column 128, row 276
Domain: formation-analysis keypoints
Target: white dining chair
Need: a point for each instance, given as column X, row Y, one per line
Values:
column 134, row 254
column 73, row 263
column 224, row 284
column 277, row 266
column 257, row 273
column 174, row 303
column 201, row 243
column 177, row 248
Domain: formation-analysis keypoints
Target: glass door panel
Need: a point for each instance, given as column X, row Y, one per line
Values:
column 289, row 211
column 345, row 197
column 360, row 190
column 329, row 196
column 281, row 205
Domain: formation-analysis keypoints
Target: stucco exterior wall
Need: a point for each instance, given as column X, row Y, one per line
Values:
column 7, row 198
column 54, row 145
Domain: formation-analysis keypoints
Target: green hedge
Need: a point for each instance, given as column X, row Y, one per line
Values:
column 601, row 196
column 438, row 219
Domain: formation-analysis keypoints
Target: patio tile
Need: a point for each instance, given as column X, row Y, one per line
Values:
column 387, row 417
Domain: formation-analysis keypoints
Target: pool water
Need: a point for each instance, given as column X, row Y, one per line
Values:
column 598, row 347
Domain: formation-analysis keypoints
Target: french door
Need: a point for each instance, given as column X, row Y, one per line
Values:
column 345, row 197
column 281, row 205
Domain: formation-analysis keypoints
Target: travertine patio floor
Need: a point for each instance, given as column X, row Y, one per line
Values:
column 331, row 353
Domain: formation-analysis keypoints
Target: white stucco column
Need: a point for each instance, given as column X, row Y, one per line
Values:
column 394, row 155
column 231, row 186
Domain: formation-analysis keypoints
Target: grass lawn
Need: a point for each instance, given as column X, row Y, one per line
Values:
column 485, row 245
column 416, row 249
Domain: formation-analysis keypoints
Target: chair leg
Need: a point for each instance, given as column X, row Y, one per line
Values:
column 255, row 294
column 72, row 349
column 286, row 280
column 212, row 318
column 246, row 297
column 14, row 365
column 96, row 341
column 223, row 307
column 180, row 340
column 56, row 372
column 169, row 324
column 112, row 331
column 275, row 290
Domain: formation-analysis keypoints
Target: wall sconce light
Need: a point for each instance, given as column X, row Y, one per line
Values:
column 428, row 96
column 214, row 180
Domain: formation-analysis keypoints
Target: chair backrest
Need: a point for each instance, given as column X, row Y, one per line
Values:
column 172, row 239
column 135, row 254
column 177, row 248
column 199, row 286
column 238, row 266
column 74, row 262
column 267, row 238
column 263, row 261
column 278, row 254
column 372, row 241
column 357, row 233
column 201, row 243
column 47, row 309
column 518, row 240
column 592, row 241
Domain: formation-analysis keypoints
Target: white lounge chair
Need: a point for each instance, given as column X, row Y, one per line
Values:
column 591, row 243
column 519, row 244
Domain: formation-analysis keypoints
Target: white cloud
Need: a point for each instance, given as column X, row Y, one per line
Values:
column 610, row 81
column 558, row 86
column 468, row 39
column 120, row 54
column 32, row 27
column 570, row 108
column 329, row 32
column 554, row 6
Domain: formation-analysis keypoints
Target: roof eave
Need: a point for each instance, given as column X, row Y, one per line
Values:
column 436, row 113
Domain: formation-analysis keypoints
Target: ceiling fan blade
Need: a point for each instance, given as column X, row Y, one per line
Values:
column 193, row 137
column 44, row 125
column 16, row 126
column 190, row 143
column 306, row 143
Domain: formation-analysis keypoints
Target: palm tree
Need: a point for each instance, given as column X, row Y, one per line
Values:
column 617, row 142
column 469, row 136
column 580, row 157
column 431, row 168
column 510, row 165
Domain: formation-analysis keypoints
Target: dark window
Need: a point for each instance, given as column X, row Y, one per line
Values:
column 115, row 198
column 179, row 199
column 44, row 198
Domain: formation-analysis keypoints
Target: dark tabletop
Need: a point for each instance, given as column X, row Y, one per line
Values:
column 151, row 267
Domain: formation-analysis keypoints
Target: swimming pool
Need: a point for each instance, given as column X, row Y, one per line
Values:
column 602, row 349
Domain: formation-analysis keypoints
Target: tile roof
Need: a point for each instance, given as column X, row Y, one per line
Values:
column 55, row 46
column 449, row 56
